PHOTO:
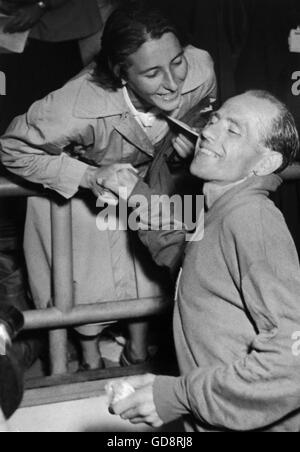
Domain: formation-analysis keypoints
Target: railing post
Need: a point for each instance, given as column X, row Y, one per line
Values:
column 62, row 274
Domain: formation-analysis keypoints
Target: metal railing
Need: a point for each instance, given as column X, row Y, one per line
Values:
column 64, row 313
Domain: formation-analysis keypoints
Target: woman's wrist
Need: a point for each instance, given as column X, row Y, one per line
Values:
column 88, row 180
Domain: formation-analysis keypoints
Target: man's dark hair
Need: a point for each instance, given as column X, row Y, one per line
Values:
column 127, row 29
column 283, row 136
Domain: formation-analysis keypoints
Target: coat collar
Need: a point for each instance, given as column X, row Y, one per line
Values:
column 254, row 185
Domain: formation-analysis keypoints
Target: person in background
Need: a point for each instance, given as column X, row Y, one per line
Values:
column 91, row 46
column 237, row 313
column 112, row 113
column 51, row 57
column 11, row 373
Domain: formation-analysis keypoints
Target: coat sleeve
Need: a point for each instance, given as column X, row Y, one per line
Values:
column 162, row 234
column 261, row 388
column 208, row 89
column 32, row 147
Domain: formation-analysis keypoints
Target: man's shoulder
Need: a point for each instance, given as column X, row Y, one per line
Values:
column 257, row 232
column 257, row 217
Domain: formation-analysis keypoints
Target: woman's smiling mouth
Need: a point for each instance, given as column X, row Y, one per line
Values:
column 169, row 97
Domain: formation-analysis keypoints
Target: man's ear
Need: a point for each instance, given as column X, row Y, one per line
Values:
column 270, row 162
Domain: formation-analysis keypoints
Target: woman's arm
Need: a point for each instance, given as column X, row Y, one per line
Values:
column 29, row 15
column 292, row 172
column 33, row 145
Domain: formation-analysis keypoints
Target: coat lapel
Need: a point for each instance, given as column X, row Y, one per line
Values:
column 93, row 102
column 132, row 132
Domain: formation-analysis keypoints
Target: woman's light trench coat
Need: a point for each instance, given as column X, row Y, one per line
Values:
column 52, row 144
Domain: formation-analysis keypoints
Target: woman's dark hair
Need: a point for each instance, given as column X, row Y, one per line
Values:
column 127, row 29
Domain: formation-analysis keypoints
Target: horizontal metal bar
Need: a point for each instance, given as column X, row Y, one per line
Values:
column 11, row 188
column 81, row 377
column 81, row 385
column 95, row 313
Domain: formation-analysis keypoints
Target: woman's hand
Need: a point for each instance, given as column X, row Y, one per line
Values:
column 24, row 19
column 184, row 147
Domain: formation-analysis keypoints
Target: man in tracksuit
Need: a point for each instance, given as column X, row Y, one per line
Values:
column 237, row 311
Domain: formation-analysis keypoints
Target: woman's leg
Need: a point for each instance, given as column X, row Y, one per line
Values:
column 136, row 349
column 149, row 284
column 88, row 336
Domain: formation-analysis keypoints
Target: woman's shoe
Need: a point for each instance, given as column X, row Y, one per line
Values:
column 85, row 367
column 125, row 361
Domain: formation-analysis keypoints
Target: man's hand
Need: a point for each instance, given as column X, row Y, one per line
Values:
column 139, row 408
column 184, row 147
column 24, row 19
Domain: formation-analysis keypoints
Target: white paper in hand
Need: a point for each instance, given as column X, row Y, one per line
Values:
column 13, row 42
column 118, row 390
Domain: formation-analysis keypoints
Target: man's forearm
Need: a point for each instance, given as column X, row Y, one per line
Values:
column 164, row 236
column 260, row 388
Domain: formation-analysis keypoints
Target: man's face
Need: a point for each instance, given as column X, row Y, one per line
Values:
column 158, row 71
column 231, row 143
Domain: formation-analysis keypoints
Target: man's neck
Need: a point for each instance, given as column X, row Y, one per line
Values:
column 214, row 190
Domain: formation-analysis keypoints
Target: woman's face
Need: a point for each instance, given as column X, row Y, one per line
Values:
column 158, row 71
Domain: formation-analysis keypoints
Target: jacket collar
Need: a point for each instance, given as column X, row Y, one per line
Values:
column 255, row 185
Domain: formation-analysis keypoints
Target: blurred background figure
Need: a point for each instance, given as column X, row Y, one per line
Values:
column 91, row 45
column 11, row 373
column 52, row 56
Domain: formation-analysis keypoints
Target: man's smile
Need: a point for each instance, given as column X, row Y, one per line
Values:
column 203, row 149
